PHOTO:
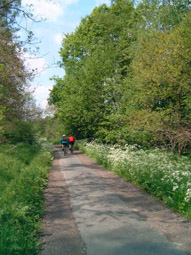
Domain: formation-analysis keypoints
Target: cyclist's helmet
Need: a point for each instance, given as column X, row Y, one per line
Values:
column 64, row 135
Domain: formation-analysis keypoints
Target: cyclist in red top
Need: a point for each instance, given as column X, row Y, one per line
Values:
column 71, row 140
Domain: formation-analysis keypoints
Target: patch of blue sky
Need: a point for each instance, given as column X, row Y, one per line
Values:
column 62, row 17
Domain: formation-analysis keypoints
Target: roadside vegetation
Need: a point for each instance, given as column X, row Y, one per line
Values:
column 24, row 162
column 23, row 177
column 163, row 174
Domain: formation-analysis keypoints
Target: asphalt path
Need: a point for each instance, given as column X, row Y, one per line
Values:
column 104, row 222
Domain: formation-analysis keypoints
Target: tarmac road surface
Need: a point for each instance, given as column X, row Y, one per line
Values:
column 91, row 211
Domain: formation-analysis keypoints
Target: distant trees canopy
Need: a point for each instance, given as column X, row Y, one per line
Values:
column 128, row 75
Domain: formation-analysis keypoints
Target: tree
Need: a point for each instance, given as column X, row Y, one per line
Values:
column 13, row 75
column 95, row 63
column 162, row 73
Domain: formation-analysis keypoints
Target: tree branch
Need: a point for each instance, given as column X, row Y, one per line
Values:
column 7, row 4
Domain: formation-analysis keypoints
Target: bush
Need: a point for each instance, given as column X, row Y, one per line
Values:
column 19, row 132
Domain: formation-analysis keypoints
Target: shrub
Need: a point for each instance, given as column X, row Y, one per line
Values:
column 20, row 132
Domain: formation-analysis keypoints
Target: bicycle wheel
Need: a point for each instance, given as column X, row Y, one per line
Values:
column 64, row 149
column 71, row 148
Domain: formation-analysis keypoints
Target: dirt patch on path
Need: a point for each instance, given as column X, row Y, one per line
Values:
column 60, row 235
column 174, row 227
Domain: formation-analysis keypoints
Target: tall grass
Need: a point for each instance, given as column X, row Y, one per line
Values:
column 164, row 175
column 23, row 176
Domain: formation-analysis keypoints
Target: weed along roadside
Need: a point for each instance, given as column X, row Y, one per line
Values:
column 23, row 177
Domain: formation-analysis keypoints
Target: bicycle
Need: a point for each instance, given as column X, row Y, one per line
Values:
column 71, row 147
column 64, row 146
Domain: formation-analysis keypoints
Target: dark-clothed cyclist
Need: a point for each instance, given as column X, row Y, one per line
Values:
column 71, row 140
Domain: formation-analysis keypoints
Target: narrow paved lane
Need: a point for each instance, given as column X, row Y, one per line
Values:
column 104, row 219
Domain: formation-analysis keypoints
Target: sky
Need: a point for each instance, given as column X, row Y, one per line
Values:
column 60, row 17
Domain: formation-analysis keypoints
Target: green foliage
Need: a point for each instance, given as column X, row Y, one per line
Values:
column 53, row 130
column 162, row 77
column 20, row 131
column 23, row 176
column 15, row 103
column 88, row 91
column 128, row 75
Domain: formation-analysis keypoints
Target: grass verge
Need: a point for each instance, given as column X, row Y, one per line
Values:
column 23, row 177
